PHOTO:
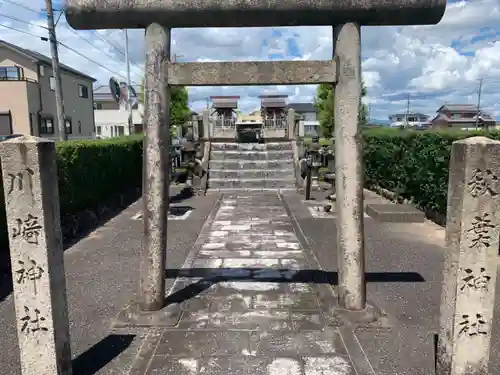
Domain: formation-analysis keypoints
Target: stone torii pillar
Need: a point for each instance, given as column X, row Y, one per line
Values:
column 344, row 70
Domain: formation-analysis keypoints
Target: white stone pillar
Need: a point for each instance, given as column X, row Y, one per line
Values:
column 32, row 206
column 472, row 239
column 349, row 168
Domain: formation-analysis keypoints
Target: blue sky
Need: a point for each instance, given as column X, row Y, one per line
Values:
column 432, row 64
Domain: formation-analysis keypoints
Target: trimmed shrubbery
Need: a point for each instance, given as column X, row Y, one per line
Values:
column 412, row 164
column 91, row 173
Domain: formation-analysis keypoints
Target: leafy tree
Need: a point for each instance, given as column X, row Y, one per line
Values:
column 324, row 103
column 179, row 104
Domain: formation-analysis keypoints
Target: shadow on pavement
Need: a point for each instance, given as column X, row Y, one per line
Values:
column 102, row 353
column 212, row 276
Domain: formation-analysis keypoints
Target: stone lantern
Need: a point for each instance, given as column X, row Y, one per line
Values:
column 314, row 159
column 189, row 152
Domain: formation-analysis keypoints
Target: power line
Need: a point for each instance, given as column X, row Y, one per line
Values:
column 89, row 42
column 24, row 32
column 22, row 6
column 115, row 48
column 23, row 21
column 65, row 46
column 93, row 61
column 68, row 28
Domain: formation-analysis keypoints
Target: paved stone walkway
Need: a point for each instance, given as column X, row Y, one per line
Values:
column 253, row 302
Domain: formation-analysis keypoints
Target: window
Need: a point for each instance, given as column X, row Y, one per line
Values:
column 46, row 125
column 98, row 130
column 97, row 105
column 69, row 126
column 79, row 127
column 121, row 131
column 83, row 91
column 41, row 70
column 52, row 83
column 11, row 73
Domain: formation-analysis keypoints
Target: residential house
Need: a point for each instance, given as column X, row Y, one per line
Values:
column 27, row 96
column 308, row 119
column 409, row 120
column 462, row 116
column 254, row 116
column 111, row 119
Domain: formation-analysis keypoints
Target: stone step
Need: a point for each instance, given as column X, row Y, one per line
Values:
column 275, row 183
column 250, row 173
column 252, row 155
column 233, row 146
column 238, row 191
column 250, row 164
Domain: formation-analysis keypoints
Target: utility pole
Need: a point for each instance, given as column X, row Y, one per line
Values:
column 129, row 91
column 407, row 110
column 479, row 101
column 57, row 74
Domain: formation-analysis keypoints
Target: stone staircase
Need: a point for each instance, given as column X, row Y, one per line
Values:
column 251, row 167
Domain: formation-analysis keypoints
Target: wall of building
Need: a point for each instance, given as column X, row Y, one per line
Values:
column 13, row 98
column 80, row 110
column 112, row 122
column 19, row 97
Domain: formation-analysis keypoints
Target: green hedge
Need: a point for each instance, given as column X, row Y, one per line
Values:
column 90, row 173
column 413, row 164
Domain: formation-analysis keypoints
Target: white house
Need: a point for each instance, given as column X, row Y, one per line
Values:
column 308, row 119
column 409, row 120
column 111, row 119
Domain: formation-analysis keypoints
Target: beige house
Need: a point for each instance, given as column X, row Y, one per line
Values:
column 27, row 96
column 255, row 116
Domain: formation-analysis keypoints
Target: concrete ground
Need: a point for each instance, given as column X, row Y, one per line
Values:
column 397, row 256
column 404, row 264
column 102, row 274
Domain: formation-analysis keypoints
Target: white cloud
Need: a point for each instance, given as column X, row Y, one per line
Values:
column 434, row 64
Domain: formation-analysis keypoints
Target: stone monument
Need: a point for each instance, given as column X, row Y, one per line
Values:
column 343, row 70
column 32, row 206
column 472, row 239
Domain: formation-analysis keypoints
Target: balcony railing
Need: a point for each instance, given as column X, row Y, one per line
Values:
column 277, row 123
column 224, row 123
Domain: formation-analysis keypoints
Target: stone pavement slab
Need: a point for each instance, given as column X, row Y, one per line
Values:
column 404, row 272
column 102, row 275
column 253, row 302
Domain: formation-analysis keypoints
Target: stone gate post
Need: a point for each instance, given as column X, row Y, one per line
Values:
column 349, row 167
column 470, row 270
column 30, row 180
column 156, row 166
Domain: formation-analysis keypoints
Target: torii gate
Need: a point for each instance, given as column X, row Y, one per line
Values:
column 158, row 17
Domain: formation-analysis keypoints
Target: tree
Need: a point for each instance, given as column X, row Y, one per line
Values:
column 325, row 104
column 179, row 104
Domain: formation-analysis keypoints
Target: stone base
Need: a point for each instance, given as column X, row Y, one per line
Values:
column 395, row 213
column 132, row 316
column 370, row 317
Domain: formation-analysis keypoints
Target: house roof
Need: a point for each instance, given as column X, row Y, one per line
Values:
column 230, row 102
column 302, row 107
column 42, row 59
column 272, row 101
column 486, row 117
column 103, row 93
column 458, row 108
column 409, row 114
